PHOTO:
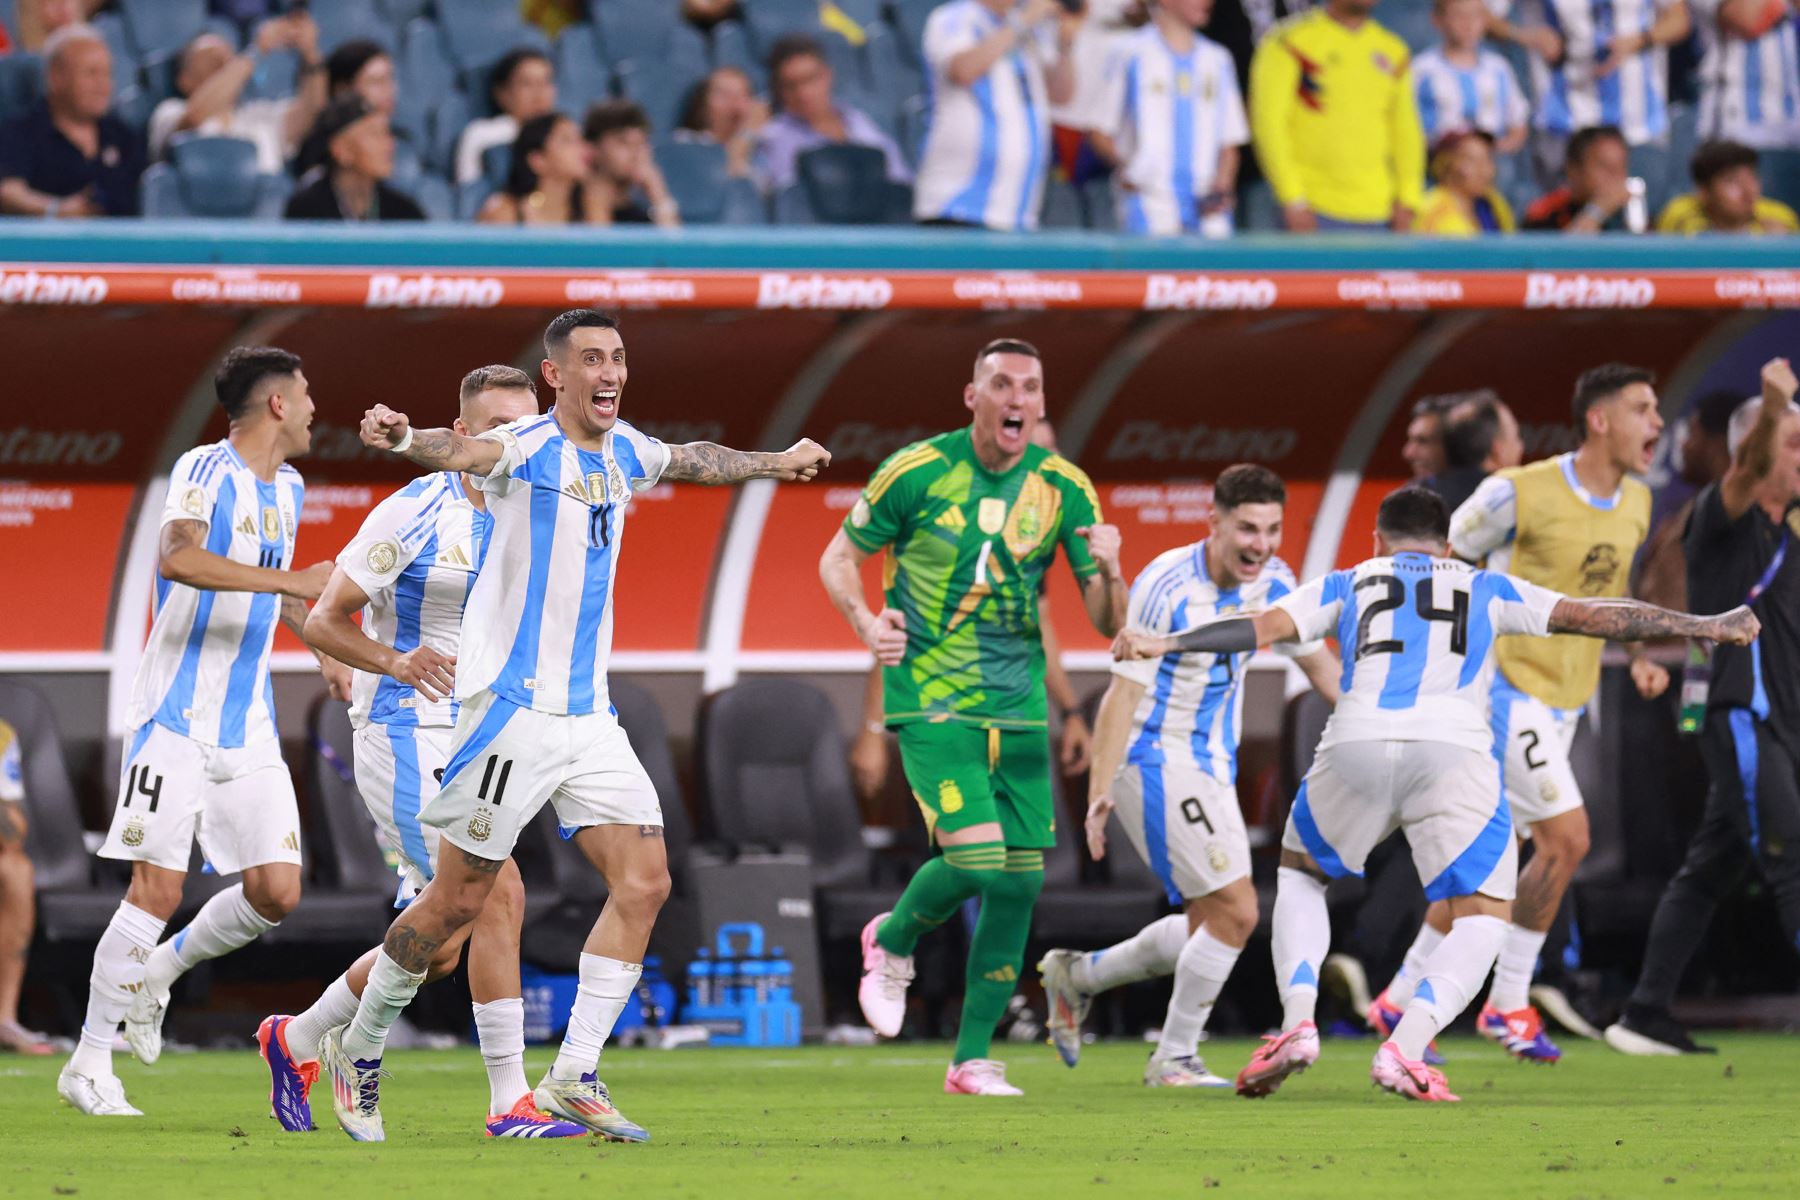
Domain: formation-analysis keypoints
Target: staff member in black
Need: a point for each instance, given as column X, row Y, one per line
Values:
column 1743, row 546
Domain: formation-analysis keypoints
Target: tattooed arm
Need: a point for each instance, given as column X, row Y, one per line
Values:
column 1633, row 620
column 182, row 557
column 708, row 462
column 438, row 449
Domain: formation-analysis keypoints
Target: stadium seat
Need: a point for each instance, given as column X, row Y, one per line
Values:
column 582, row 76
column 212, row 177
column 1411, row 23
column 496, row 164
column 1780, row 173
column 21, row 84
column 1663, row 177
column 435, row 196
column 770, row 20
column 399, row 12
column 1258, row 211
column 892, row 77
column 909, row 19
column 111, row 27
column 1097, row 205
column 695, row 172
column 658, row 90
column 162, row 27
column 426, row 73
column 407, row 165
column 744, row 205
column 478, row 32
column 731, row 48
column 448, row 117
column 866, row 13
column 789, row 206
column 635, row 29
column 1062, row 206
column 343, row 21
column 469, row 199
column 845, row 184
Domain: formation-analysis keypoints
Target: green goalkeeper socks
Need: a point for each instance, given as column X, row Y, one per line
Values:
column 937, row 890
column 998, row 950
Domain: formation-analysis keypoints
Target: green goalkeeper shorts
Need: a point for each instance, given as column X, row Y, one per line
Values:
column 964, row 775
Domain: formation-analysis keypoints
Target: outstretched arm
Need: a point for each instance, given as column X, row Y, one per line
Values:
column 1233, row 635
column 708, row 462
column 438, row 449
column 1633, row 620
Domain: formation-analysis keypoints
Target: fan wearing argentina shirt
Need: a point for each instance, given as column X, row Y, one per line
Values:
column 1174, row 122
column 1408, row 747
column 994, row 69
column 409, row 571
column 1749, row 72
column 1165, row 757
column 202, row 759
column 534, row 724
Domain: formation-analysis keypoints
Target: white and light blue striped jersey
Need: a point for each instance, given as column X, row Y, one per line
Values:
column 1571, row 95
column 205, row 670
column 987, row 148
column 1487, row 96
column 12, row 765
column 537, row 630
column 1170, row 115
column 1749, row 88
column 1417, row 638
column 1192, row 712
column 415, row 557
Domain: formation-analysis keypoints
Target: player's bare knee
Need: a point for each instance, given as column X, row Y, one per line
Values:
column 157, row 892
column 1236, row 920
column 642, row 891
column 447, row 959
column 273, row 899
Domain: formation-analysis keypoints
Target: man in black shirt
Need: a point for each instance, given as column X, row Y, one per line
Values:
column 1743, row 546
column 70, row 156
column 1481, row 436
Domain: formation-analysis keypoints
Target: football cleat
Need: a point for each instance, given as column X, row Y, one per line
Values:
column 527, row 1120
column 143, row 1026
column 1185, row 1071
column 1280, row 1055
column 1393, row 1072
column 104, row 1097
column 882, row 992
column 1068, row 1005
column 587, row 1103
column 290, row 1081
column 1521, row 1032
column 355, row 1089
column 1652, row 1032
column 1384, row 1018
column 979, row 1077
column 1344, row 975
column 1554, row 1003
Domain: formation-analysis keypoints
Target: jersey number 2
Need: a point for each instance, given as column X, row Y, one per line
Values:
column 1393, row 596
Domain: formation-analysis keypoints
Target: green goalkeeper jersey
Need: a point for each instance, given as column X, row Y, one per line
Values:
column 968, row 551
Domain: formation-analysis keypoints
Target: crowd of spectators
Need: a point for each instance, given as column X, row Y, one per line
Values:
column 1158, row 117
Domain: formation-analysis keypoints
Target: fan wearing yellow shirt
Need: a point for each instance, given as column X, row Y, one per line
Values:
column 1335, row 122
column 1727, row 196
column 1465, row 202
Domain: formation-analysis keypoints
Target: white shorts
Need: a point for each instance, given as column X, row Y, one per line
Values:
column 1540, row 784
column 239, row 802
column 1185, row 824
column 1446, row 799
column 397, row 771
column 509, row 760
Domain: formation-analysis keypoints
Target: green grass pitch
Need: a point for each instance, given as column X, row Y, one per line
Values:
column 875, row 1122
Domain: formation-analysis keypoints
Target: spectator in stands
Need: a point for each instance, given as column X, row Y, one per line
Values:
column 1464, row 202
column 352, row 187
column 1461, row 85
column 1481, row 436
column 1586, row 73
column 522, row 86
column 995, row 70
column 209, row 90
column 1175, row 120
column 359, row 68
column 36, row 20
column 707, row 13
column 625, row 169
column 1749, row 88
column 1098, row 40
column 70, row 156
column 1594, row 196
column 1702, row 455
column 1727, row 196
column 809, row 115
column 724, row 109
column 1423, row 449
column 17, row 894
column 547, row 182
column 1335, row 121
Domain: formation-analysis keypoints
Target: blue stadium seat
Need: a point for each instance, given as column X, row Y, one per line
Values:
column 771, row 20
column 162, row 27
column 1663, row 177
column 731, row 48
column 408, row 166
column 845, row 184
column 658, row 90
column 866, row 13
column 470, row 199
column 744, row 205
column 635, row 29
column 695, row 172
column 425, row 70
column 434, row 195
column 1097, row 202
column 1513, row 179
column 212, row 177
column 1781, row 176
column 1062, row 206
column 478, row 32
column 111, row 28
column 448, row 118
column 892, row 75
column 909, row 20
column 1258, row 211
column 790, row 206
column 21, row 84
column 582, row 76
column 1411, row 22
column 496, row 163
column 343, row 21
column 399, row 12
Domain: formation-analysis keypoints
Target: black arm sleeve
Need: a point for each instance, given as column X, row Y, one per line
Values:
column 1230, row 636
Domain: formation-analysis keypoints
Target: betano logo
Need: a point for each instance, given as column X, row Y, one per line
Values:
column 1199, row 443
column 1207, row 292
column 434, row 291
column 43, row 287
column 780, row 290
column 1543, row 290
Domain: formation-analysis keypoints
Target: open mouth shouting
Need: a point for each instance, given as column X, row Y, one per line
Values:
column 1012, row 432
column 605, row 403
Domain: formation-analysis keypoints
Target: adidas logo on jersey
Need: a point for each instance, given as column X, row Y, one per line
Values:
column 952, row 519
column 247, row 526
column 1005, row 974
column 455, row 556
column 291, row 842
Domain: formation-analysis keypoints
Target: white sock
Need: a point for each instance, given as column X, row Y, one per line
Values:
column 606, row 983
column 1147, row 954
column 500, row 1026
column 1452, row 975
column 336, row 1006
column 390, row 989
column 222, row 925
column 1515, row 967
column 1201, row 970
column 1400, row 991
column 1301, row 939
column 117, row 975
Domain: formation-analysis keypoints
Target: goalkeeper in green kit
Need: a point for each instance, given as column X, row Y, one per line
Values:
column 971, row 520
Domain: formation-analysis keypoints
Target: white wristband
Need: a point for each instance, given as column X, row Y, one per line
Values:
column 400, row 447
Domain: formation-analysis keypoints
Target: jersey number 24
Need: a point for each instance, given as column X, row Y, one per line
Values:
column 1392, row 597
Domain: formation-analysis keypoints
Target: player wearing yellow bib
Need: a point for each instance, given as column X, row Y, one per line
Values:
column 1573, row 524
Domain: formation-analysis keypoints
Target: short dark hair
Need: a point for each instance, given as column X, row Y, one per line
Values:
column 693, row 105
column 243, row 368
column 1008, row 346
column 1413, row 514
column 1247, row 483
column 348, row 60
column 495, row 376
column 556, row 334
column 610, row 116
column 534, row 134
column 1713, row 411
column 502, row 72
column 1603, row 383
column 794, row 45
column 1582, row 140
column 1470, row 429
column 1716, row 157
